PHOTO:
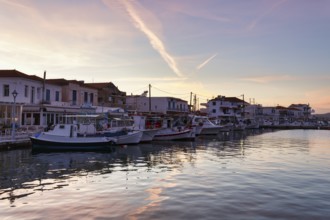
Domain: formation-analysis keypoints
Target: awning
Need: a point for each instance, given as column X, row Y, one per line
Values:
column 52, row 109
column 31, row 108
column 63, row 110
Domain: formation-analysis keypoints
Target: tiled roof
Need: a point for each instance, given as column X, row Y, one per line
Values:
column 295, row 109
column 16, row 73
column 281, row 107
column 228, row 99
column 61, row 82
column 98, row 85
column 64, row 82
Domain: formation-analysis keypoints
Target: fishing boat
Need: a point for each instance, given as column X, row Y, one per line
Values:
column 121, row 128
column 123, row 136
column 203, row 126
column 171, row 134
column 68, row 137
column 174, row 130
column 148, row 125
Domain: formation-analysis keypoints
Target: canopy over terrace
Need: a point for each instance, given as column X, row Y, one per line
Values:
column 6, row 114
column 44, row 115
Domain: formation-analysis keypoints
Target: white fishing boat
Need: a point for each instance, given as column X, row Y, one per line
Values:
column 67, row 137
column 174, row 131
column 148, row 125
column 123, row 136
column 170, row 134
column 121, row 127
column 203, row 126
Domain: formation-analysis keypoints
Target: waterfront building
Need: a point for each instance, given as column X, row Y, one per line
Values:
column 76, row 93
column 12, row 81
column 305, row 112
column 109, row 95
column 163, row 105
column 270, row 114
column 282, row 115
column 226, row 109
column 40, row 101
column 253, row 112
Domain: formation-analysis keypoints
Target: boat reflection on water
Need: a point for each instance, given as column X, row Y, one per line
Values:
column 24, row 172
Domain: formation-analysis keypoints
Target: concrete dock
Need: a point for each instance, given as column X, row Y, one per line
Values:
column 19, row 141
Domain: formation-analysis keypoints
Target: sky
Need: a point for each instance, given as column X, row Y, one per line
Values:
column 274, row 52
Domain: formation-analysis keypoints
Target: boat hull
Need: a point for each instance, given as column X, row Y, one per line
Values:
column 67, row 143
column 148, row 135
column 212, row 130
column 174, row 135
column 132, row 137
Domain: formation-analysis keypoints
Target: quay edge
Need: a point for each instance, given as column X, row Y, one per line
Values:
column 14, row 144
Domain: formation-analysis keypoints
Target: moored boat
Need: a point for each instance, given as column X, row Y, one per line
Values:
column 150, row 126
column 123, row 136
column 174, row 134
column 174, row 130
column 67, row 137
column 203, row 126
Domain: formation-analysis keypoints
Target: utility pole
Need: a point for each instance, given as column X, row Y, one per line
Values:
column 43, row 88
column 197, row 104
column 190, row 102
column 149, row 98
column 194, row 102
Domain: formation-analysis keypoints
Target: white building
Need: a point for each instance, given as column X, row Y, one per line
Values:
column 270, row 114
column 164, row 105
column 29, row 91
column 253, row 112
column 305, row 111
column 40, row 102
column 226, row 108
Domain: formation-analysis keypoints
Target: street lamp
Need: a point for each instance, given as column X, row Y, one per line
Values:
column 14, row 93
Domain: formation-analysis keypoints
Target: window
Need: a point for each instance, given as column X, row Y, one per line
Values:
column 26, row 91
column 57, row 96
column 38, row 93
column 214, row 110
column 85, row 97
column 5, row 90
column 214, row 103
column 91, row 98
column 32, row 94
column 74, row 97
column 47, row 95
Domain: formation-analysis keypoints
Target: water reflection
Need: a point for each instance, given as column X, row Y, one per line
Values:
column 24, row 173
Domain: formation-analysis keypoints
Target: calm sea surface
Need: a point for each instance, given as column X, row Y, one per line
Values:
column 251, row 175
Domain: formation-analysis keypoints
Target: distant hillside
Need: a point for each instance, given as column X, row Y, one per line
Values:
column 323, row 116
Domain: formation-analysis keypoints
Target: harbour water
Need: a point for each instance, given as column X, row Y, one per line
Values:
column 244, row 175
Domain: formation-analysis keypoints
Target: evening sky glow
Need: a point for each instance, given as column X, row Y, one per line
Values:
column 275, row 52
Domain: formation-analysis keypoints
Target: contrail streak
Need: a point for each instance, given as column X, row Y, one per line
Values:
column 272, row 8
column 200, row 66
column 155, row 42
